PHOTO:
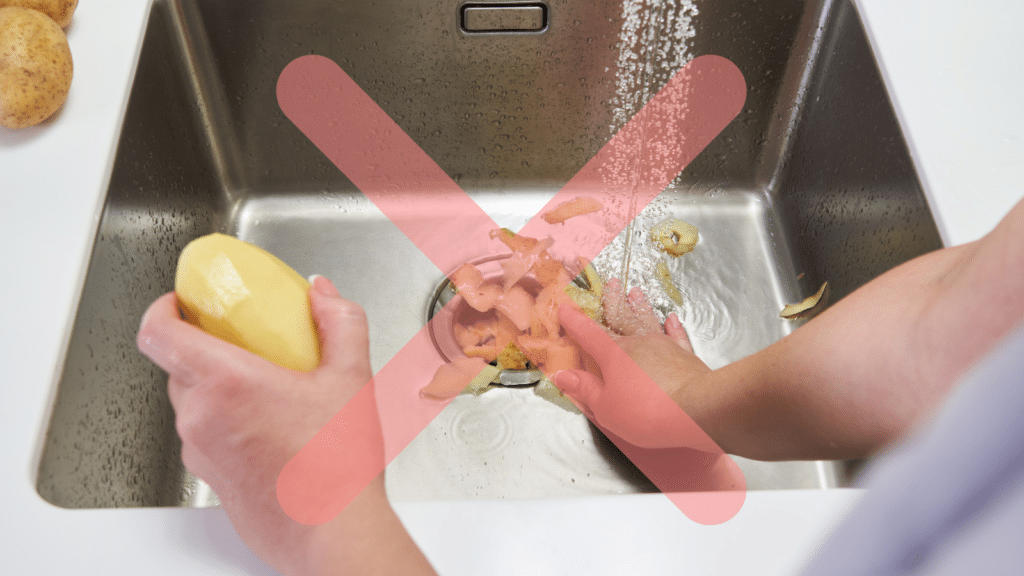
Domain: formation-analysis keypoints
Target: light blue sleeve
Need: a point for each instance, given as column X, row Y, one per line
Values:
column 948, row 500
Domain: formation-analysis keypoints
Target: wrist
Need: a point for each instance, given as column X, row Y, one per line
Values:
column 702, row 399
column 366, row 538
column 340, row 545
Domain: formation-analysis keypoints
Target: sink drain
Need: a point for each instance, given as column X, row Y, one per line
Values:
column 447, row 309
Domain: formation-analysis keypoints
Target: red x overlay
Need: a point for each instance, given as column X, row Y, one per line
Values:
column 450, row 228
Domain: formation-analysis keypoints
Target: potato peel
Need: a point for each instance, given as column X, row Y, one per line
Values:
column 665, row 277
column 809, row 307
column 674, row 237
column 512, row 358
column 547, row 390
column 587, row 300
column 571, row 209
column 594, row 281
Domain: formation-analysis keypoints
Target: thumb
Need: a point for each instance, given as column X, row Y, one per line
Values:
column 344, row 332
column 581, row 386
column 674, row 329
column 586, row 332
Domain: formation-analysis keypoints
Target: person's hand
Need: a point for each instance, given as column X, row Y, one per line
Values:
column 634, row 351
column 241, row 418
column 664, row 353
column 642, row 366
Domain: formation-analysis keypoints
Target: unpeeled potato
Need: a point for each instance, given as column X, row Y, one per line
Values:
column 59, row 11
column 243, row 294
column 35, row 67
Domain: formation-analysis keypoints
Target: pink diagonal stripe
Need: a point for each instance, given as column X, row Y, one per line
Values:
column 645, row 156
column 639, row 162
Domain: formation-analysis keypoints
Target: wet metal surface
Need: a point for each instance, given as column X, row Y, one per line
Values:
column 811, row 182
column 508, row 17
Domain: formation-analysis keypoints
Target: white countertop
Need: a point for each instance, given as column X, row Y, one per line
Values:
column 955, row 76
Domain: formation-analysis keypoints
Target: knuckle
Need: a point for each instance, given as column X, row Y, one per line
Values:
column 188, row 432
column 348, row 312
column 206, row 409
column 190, row 458
column 349, row 309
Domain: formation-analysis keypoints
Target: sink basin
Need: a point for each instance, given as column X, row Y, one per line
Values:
column 811, row 182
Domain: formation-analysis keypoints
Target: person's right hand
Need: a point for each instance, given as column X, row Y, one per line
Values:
column 635, row 351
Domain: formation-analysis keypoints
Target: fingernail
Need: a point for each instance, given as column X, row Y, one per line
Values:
column 145, row 318
column 324, row 286
column 636, row 293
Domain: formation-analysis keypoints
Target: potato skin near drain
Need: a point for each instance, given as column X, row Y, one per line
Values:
column 241, row 293
column 35, row 67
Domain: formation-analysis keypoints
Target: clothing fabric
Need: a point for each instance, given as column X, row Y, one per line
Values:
column 949, row 500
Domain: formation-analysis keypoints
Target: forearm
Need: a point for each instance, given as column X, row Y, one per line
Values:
column 366, row 539
column 979, row 300
column 767, row 408
column 871, row 366
column 847, row 382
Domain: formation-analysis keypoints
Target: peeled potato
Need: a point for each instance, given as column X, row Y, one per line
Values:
column 35, row 67
column 59, row 11
column 245, row 295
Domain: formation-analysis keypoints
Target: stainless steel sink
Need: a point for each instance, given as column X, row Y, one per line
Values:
column 811, row 182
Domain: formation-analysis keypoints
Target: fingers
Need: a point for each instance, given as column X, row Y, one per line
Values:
column 581, row 386
column 630, row 315
column 674, row 329
column 644, row 319
column 186, row 352
column 343, row 328
column 616, row 309
column 585, row 332
column 177, row 394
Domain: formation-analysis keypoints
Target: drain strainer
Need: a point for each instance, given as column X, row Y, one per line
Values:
column 447, row 309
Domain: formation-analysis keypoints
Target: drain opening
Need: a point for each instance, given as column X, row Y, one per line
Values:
column 443, row 320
